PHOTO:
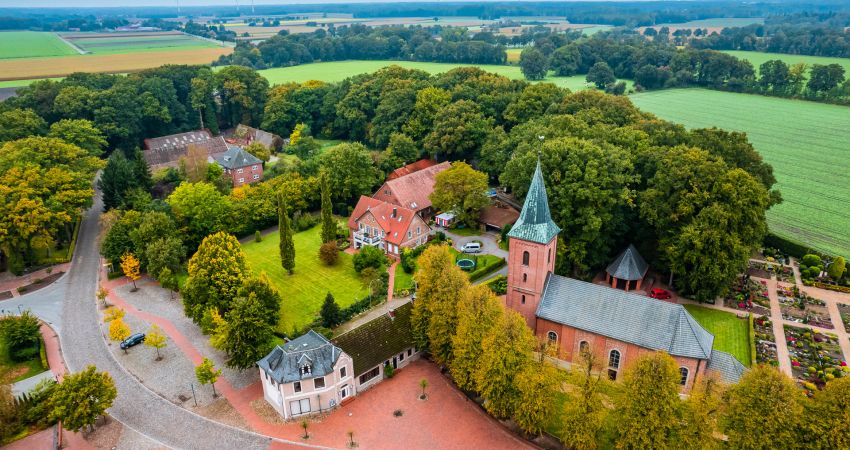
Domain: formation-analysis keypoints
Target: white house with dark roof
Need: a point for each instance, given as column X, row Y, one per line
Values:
column 576, row 316
column 307, row 375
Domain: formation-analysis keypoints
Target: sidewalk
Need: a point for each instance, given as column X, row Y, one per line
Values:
column 10, row 283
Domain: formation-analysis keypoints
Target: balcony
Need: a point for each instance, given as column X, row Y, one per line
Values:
column 361, row 238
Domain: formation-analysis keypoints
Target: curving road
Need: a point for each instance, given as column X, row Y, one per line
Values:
column 70, row 306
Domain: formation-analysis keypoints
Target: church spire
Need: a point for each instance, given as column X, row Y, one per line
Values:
column 535, row 221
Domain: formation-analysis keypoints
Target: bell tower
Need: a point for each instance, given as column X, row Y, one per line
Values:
column 532, row 247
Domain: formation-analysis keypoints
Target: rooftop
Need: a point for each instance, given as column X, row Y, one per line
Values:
column 629, row 265
column 284, row 362
column 535, row 221
column 627, row 317
column 410, row 168
column 393, row 219
column 413, row 190
column 376, row 341
column 235, row 158
column 167, row 150
column 727, row 366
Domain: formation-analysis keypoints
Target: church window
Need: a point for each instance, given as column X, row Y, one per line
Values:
column 614, row 359
column 525, row 258
column 523, row 300
column 553, row 337
column 524, row 277
column 549, row 256
column 683, row 371
column 583, row 346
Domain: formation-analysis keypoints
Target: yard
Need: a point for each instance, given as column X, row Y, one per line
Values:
column 304, row 291
column 731, row 334
column 12, row 372
column 485, row 263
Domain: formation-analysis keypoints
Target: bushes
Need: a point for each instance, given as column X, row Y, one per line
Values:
column 837, row 268
column 22, row 335
column 302, row 222
column 408, row 260
column 499, row 285
column 786, row 246
column 369, row 257
column 329, row 253
column 484, row 269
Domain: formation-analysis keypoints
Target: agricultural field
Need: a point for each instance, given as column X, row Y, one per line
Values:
column 759, row 58
column 339, row 70
column 805, row 142
column 304, row 291
column 123, row 43
column 731, row 334
column 712, row 25
column 32, row 44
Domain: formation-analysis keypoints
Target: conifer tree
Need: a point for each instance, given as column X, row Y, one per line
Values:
column 287, row 247
column 328, row 222
column 142, row 171
column 330, row 312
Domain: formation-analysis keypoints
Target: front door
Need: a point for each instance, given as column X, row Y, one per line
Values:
column 395, row 362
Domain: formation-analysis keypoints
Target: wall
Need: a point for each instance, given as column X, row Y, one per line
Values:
column 541, row 262
column 369, row 384
column 321, row 399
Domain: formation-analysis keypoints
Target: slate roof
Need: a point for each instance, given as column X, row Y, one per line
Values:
column 412, row 190
column 727, row 366
column 629, row 265
column 235, row 158
column 284, row 362
column 410, row 168
column 395, row 228
column 535, row 221
column 627, row 317
column 245, row 135
column 167, row 150
column 376, row 341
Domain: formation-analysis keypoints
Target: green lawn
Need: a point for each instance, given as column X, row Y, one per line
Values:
column 759, row 58
column 305, row 290
column 805, row 142
column 135, row 44
column 731, row 334
column 12, row 372
column 340, row 70
column 405, row 280
column 32, row 44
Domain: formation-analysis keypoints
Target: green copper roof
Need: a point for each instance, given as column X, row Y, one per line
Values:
column 535, row 221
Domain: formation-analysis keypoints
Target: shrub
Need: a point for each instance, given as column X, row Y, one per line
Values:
column 257, row 236
column 330, row 312
column 812, row 260
column 301, row 222
column 329, row 253
column 389, row 372
column 499, row 285
column 23, row 354
column 837, row 268
column 408, row 260
column 368, row 257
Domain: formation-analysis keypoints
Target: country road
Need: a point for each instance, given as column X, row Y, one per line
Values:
column 70, row 306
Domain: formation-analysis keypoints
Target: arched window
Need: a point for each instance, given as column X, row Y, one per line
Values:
column 523, row 300
column 583, row 346
column 549, row 256
column 553, row 337
column 524, row 277
column 525, row 258
column 683, row 371
column 614, row 359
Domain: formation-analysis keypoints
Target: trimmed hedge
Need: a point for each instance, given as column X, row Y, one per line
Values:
column 485, row 270
column 829, row 287
column 788, row 246
column 752, row 331
column 42, row 352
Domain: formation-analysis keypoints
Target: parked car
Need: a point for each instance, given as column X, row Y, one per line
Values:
column 135, row 339
column 660, row 294
column 471, row 247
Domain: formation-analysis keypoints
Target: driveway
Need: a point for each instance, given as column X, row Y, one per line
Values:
column 69, row 305
column 489, row 241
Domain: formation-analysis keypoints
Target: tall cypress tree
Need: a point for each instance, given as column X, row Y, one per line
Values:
column 287, row 247
column 328, row 223
column 142, row 171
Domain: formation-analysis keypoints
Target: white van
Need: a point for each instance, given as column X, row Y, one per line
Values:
column 471, row 247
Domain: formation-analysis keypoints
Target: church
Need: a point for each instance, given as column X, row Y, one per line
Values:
column 574, row 315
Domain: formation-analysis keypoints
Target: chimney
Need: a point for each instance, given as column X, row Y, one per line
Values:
column 395, row 211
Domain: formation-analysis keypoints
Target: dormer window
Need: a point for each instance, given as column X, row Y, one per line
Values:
column 306, row 369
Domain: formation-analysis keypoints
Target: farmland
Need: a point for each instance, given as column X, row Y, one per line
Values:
column 31, row 44
column 759, row 58
column 122, row 43
column 339, row 70
column 806, row 143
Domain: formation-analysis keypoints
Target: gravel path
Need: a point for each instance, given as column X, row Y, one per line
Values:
column 137, row 407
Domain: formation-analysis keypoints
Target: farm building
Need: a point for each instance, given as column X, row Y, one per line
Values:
column 386, row 226
column 241, row 166
column 576, row 316
column 411, row 189
column 245, row 135
column 166, row 151
column 498, row 215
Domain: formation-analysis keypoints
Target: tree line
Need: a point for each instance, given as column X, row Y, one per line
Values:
column 413, row 43
column 788, row 36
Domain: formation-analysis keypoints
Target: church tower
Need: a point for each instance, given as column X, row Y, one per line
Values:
column 532, row 247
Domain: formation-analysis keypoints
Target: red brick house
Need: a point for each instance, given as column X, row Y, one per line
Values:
column 412, row 189
column 241, row 166
column 386, row 226
column 574, row 315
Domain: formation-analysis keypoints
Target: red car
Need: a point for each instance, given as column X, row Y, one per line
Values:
column 660, row 294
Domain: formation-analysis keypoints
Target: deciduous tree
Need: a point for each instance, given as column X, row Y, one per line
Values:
column 477, row 313
column 259, row 150
column 350, row 170
column 216, row 272
column 130, row 267
column 156, row 339
column 79, row 132
column 168, row 280
column 533, row 64
column 248, row 335
column 701, row 414
column 459, row 131
column 649, row 413
column 206, row 373
column 537, row 383
column 462, row 190
column 164, row 253
column 261, row 291
column 101, row 295
column 200, row 210
column 584, row 412
column 829, row 415
column 81, row 398
column 601, row 75
column 118, row 330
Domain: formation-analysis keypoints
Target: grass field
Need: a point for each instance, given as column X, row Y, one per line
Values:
column 759, row 58
column 720, row 22
column 304, row 291
column 806, row 142
column 12, row 372
column 32, row 44
column 108, row 44
column 731, row 334
column 339, row 70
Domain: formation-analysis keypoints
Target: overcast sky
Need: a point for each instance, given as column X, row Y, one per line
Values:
column 72, row 3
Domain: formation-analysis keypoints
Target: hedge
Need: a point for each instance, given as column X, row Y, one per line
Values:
column 829, row 287
column 483, row 271
column 752, row 341
column 788, row 246
column 42, row 352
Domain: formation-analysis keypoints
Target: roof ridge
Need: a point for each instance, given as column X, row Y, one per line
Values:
column 691, row 322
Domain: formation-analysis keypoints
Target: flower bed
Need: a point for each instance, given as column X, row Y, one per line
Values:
column 764, row 341
column 758, row 269
column 749, row 295
column 798, row 306
column 816, row 358
column 845, row 315
column 765, row 270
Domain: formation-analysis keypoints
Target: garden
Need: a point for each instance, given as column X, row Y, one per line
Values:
column 844, row 310
column 765, row 342
column 20, row 349
column 816, row 358
column 749, row 295
column 798, row 306
column 766, row 269
column 731, row 333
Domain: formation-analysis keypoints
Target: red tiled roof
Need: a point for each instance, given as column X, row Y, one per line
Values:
column 410, row 168
column 394, row 227
column 498, row 216
column 412, row 190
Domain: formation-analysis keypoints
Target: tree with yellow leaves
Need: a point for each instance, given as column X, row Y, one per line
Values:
column 113, row 313
column 101, row 295
column 130, row 266
column 296, row 134
column 537, row 384
column 154, row 338
column 118, row 330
